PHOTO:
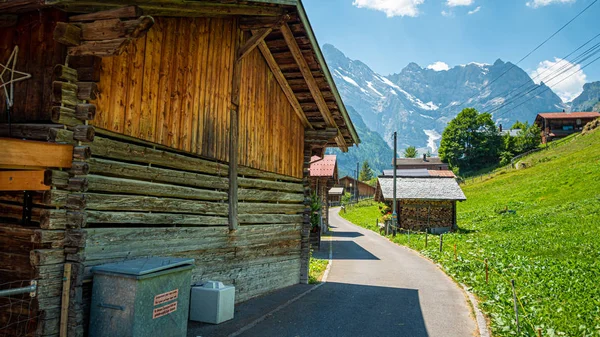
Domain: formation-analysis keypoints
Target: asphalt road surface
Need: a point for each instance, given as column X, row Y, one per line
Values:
column 374, row 288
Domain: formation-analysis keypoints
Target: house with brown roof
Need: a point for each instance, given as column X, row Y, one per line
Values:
column 556, row 125
column 323, row 175
column 430, row 163
column 357, row 188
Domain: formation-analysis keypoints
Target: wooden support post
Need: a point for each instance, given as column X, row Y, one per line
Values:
column 64, row 304
column 539, row 332
column 234, row 133
column 426, row 237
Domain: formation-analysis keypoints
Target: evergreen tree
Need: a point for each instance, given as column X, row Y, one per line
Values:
column 411, row 152
column 366, row 173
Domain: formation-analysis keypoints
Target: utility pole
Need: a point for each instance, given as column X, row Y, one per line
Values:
column 394, row 214
column 356, row 184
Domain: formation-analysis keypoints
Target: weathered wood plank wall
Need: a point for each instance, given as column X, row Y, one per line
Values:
column 173, row 87
column 38, row 54
column 160, row 202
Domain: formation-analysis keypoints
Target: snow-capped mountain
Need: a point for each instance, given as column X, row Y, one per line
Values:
column 419, row 102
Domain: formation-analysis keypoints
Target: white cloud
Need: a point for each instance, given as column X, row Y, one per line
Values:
column 438, row 66
column 542, row 3
column 572, row 79
column 447, row 13
column 455, row 3
column 391, row 8
column 475, row 10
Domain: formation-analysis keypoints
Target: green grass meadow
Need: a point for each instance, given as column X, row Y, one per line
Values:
column 548, row 241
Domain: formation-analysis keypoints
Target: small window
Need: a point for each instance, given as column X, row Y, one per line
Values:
column 578, row 121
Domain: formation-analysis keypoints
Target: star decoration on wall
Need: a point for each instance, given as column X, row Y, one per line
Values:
column 13, row 76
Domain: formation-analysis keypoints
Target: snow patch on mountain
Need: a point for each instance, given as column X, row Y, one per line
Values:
column 433, row 136
column 370, row 85
column 345, row 78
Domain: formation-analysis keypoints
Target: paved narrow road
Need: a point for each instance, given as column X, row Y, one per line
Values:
column 374, row 288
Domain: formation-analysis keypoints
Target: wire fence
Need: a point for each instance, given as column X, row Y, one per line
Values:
column 519, row 308
column 18, row 314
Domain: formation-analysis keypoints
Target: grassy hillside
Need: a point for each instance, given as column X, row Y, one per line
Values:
column 547, row 241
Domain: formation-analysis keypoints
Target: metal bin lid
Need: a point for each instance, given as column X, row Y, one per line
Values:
column 143, row 266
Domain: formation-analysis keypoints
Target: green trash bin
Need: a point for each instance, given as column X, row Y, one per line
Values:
column 142, row 297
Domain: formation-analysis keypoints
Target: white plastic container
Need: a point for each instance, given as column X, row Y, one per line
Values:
column 212, row 302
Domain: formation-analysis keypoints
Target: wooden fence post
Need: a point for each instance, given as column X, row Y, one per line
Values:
column 512, row 283
column 441, row 242
column 455, row 253
column 426, row 234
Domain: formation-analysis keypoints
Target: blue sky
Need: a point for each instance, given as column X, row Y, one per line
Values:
column 388, row 34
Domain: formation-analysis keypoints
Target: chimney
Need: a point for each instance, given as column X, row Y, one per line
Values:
column 424, row 157
column 500, row 127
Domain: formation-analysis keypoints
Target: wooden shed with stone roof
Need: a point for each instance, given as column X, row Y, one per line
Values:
column 158, row 128
column 423, row 203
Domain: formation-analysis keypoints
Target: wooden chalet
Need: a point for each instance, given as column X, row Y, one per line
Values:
column 422, row 203
column 334, row 196
column 323, row 175
column 556, row 125
column 158, row 128
column 357, row 188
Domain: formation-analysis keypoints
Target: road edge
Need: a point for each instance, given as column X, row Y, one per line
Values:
column 287, row 303
column 480, row 319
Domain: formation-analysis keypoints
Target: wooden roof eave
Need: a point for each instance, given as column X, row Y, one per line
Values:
column 315, row 45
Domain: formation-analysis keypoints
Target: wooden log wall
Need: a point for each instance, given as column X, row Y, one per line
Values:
column 173, row 87
column 56, row 219
column 423, row 214
column 38, row 54
column 142, row 200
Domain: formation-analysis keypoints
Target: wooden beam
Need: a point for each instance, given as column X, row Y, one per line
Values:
column 259, row 36
column 174, row 7
column 254, row 41
column 283, row 83
column 22, row 181
column 26, row 153
column 115, row 29
column 67, row 34
column 311, row 82
column 128, row 12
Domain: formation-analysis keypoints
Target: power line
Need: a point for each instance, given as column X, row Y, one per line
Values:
column 531, row 52
column 527, row 82
column 548, row 87
column 581, row 58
